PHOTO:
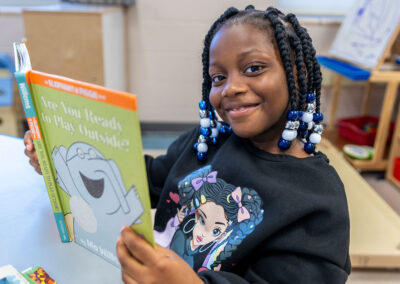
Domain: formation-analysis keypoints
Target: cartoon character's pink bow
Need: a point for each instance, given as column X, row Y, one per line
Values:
column 198, row 182
column 243, row 213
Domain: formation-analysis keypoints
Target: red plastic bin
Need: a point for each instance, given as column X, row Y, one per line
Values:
column 361, row 130
column 396, row 168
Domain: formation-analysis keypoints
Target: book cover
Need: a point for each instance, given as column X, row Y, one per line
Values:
column 37, row 275
column 89, row 147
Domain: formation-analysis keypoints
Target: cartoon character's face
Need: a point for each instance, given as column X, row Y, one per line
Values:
column 94, row 177
column 211, row 223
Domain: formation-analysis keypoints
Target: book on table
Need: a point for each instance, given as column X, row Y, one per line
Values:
column 89, row 147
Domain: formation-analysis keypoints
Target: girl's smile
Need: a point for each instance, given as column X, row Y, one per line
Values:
column 240, row 109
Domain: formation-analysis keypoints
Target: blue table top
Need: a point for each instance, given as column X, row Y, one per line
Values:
column 28, row 232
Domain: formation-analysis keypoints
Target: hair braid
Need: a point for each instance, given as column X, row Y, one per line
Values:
column 313, row 68
column 206, row 86
column 281, row 39
column 317, row 84
column 301, row 69
column 307, row 49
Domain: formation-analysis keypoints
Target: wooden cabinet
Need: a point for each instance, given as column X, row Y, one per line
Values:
column 83, row 42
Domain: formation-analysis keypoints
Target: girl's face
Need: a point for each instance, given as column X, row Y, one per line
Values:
column 249, row 89
column 210, row 225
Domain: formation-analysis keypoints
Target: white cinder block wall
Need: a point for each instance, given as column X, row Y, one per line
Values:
column 165, row 44
column 164, row 47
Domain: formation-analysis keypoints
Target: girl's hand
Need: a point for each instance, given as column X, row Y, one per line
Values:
column 141, row 263
column 31, row 152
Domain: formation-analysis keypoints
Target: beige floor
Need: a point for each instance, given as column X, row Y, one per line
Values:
column 389, row 192
column 391, row 195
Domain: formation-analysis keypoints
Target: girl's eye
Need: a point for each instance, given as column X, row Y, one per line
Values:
column 216, row 79
column 253, row 68
column 216, row 232
column 201, row 220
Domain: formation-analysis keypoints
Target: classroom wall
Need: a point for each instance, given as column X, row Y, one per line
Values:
column 164, row 54
column 164, row 45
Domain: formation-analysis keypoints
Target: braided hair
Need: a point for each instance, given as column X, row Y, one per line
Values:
column 303, row 75
column 221, row 194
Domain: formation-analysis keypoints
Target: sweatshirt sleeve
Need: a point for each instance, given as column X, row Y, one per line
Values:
column 159, row 167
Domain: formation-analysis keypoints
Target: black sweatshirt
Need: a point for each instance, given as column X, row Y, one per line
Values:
column 248, row 216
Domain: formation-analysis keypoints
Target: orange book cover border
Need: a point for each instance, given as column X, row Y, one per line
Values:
column 82, row 89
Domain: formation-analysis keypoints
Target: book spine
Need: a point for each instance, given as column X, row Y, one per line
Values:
column 40, row 148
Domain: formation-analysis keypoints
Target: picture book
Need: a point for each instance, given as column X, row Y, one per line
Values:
column 89, row 147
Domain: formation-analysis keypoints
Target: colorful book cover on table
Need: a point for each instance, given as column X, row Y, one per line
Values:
column 89, row 147
column 37, row 275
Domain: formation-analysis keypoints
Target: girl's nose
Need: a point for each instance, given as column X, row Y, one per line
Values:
column 233, row 87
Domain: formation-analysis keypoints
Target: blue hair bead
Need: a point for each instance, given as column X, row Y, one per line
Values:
column 205, row 131
column 283, row 144
column 195, row 146
column 223, row 129
column 309, row 147
column 212, row 115
column 299, row 114
column 318, row 117
column 201, row 156
column 310, row 98
column 214, row 140
column 302, row 126
column 203, row 105
column 292, row 115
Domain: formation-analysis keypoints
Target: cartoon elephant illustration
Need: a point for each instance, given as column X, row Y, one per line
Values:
column 99, row 202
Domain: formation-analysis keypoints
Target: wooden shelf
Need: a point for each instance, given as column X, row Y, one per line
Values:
column 332, row 135
column 368, row 165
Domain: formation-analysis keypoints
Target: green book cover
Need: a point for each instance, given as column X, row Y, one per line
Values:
column 91, row 136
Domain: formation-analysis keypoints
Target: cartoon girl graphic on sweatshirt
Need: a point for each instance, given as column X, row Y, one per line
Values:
column 214, row 218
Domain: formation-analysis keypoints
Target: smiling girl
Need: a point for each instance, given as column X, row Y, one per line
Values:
column 277, row 212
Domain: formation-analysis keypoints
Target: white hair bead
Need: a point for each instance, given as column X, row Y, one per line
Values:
column 307, row 117
column 289, row 134
column 214, row 132
column 205, row 122
column 315, row 138
column 202, row 147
